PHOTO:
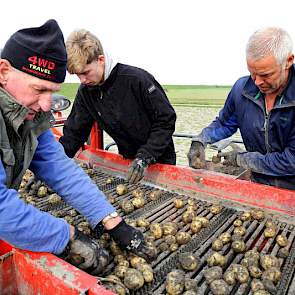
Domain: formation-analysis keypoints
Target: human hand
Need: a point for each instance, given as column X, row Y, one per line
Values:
column 86, row 254
column 230, row 158
column 196, row 155
column 136, row 170
column 132, row 239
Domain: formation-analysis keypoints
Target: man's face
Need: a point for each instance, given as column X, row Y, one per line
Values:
column 31, row 92
column 93, row 73
column 267, row 74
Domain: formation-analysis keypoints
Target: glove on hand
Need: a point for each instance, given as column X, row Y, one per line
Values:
column 86, row 254
column 196, row 155
column 230, row 158
column 131, row 239
column 136, row 170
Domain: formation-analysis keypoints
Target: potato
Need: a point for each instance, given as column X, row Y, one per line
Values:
column 230, row 277
column 170, row 239
column 133, row 279
column 178, row 203
column 175, row 282
column 273, row 274
column 131, row 222
column 190, row 292
column 203, row 220
column 217, row 245
column 253, row 254
column 73, row 212
column 268, row 261
column 238, row 222
column 257, row 214
column 173, row 247
column 147, row 272
column 69, row 219
column 115, row 249
column 121, row 189
column 216, row 259
column 225, row 238
column 135, row 261
column 270, row 223
column 188, row 261
column 182, row 238
column 193, row 203
column 120, row 271
column 245, row 216
column 196, row 226
column 138, row 202
column 127, row 206
column 155, row 195
column 238, row 246
column 270, row 232
column 240, row 230
column 137, row 193
column 109, row 180
column 249, row 261
column 156, row 230
column 255, row 271
column 187, row 217
column 282, row 241
column 261, row 292
column 142, row 222
column 212, row 273
column 219, row 287
column 124, row 263
column 216, row 209
column 190, row 284
column 163, row 247
column 242, row 274
column 54, row 199
column 42, row 191
column 256, row 285
column 283, row 252
column 170, row 228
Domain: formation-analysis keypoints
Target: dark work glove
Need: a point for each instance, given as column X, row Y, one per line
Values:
column 86, row 254
column 196, row 155
column 132, row 239
column 230, row 158
column 136, row 170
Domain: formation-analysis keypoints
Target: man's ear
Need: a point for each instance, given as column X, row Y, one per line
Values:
column 5, row 68
column 290, row 61
column 101, row 59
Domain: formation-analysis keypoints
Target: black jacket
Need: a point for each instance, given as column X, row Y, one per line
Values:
column 132, row 107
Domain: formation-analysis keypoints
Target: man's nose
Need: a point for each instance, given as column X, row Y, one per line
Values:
column 258, row 80
column 45, row 102
column 82, row 78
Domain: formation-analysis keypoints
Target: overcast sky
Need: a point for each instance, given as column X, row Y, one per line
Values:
column 179, row 42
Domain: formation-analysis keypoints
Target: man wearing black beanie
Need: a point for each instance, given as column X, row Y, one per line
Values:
column 32, row 67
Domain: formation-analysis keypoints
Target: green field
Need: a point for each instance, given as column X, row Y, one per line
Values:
column 179, row 95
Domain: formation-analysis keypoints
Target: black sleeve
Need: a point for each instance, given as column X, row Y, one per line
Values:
column 163, row 118
column 77, row 127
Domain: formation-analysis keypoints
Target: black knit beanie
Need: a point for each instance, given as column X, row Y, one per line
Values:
column 38, row 52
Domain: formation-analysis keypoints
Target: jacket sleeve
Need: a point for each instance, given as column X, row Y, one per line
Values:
column 273, row 164
column 163, row 119
column 224, row 126
column 66, row 178
column 77, row 127
column 26, row 227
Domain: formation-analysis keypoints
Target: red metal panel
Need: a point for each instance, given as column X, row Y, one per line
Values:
column 7, row 278
column 4, row 247
column 212, row 183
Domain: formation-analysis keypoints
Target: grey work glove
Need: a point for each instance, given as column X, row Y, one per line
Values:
column 136, row 170
column 132, row 239
column 196, row 155
column 86, row 254
column 230, row 158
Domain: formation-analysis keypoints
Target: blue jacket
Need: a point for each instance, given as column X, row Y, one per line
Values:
column 269, row 138
column 25, row 226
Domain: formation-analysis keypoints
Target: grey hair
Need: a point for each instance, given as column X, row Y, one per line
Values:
column 269, row 41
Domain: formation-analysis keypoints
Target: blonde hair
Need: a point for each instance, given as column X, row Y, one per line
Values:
column 82, row 49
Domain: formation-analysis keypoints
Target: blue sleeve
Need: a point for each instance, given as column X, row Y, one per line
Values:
column 51, row 165
column 273, row 164
column 224, row 126
column 26, row 227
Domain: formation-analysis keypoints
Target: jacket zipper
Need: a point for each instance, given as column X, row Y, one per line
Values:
column 266, row 125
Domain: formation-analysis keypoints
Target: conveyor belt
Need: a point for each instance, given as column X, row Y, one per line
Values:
column 163, row 210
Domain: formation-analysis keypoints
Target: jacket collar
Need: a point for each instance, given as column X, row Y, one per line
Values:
column 287, row 97
column 13, row 112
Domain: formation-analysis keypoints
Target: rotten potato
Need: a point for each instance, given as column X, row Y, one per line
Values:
column 190, row 284
column 188, row 261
